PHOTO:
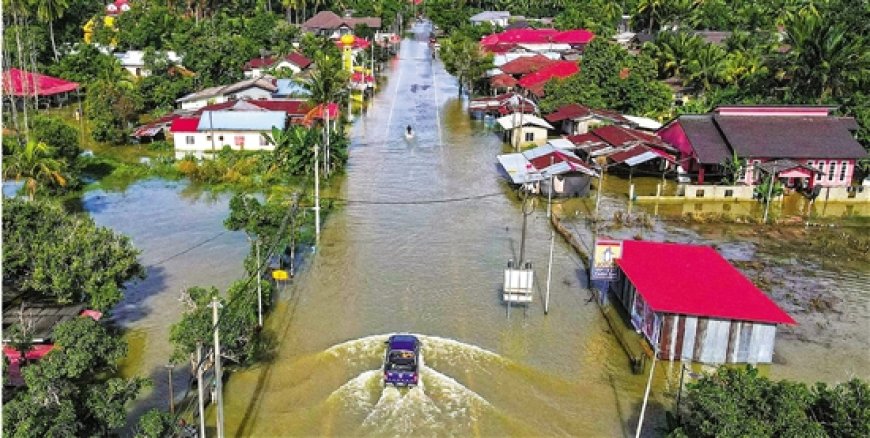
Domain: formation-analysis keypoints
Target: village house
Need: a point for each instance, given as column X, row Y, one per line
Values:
column 134, row 61
column 330, row 25
column 535, row 168
column 536, row 81
column 254, row 88
column 808, row 136
column 577, row 119
column 295, row 62
column 523, row 129
column 204, row 135
column 495, row 18
column 717, row 317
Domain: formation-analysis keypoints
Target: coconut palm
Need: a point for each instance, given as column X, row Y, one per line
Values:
column 707, row 67
column 824, row 60
column 49, row 10
column 35, row 163
column 649, row 10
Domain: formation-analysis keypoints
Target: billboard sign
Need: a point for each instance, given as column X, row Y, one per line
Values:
column 604, row 259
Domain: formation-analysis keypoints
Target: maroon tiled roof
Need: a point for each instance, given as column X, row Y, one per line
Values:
column 298, row 60
column 570, row 111
column 707, row 142
column 330, row 20
column 789, row 137
column 261, row 62
column 291, row 107
column 584, row 138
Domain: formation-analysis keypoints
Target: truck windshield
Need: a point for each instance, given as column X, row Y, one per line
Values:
column 402, row 360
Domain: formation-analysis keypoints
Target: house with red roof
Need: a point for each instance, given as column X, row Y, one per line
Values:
column 819, row 147
column 331, row 25
column 535, row 82
column 118, row 7
column 689, row 303
column 295, row 62
column 548, row 170
column 525, row 65
column 537, row 40
column 577, row 119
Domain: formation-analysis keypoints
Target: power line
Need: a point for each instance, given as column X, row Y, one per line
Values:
column 189, row 249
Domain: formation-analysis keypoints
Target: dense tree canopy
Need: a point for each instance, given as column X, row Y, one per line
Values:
column 68, row 391
column 738, row 402
column 610, row 77
column 51, row 254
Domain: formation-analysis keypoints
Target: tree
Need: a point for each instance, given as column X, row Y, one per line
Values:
column 464, row 59
column 35, row 163
column 156, row 424
column 706, row 67
column 86, row 64
column 113, row 106
column 51, row 254
column 732, row 168
column 294, row 150
column 738, row 402
column 67, row 392
column 598, row 16
column 47, row 11
column 62, row 138
column 147, row 25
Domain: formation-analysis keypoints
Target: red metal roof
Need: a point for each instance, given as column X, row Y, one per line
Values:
column 570, row 111
column 184, row 124
column 291, row 107
column 574, row 37
column 558, row 69
column 695, row 280
column 544, row 161
column 260, row 62
column 584, row 138
column 519, row 36
column 19, row 83
column 526, row 64
column 298, row 59
column 618, row 136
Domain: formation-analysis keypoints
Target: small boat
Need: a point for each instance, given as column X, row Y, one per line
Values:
column 409, row 133
column 402, row 361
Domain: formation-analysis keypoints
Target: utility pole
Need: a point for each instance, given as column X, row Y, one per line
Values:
column 218, row 375
column 316, row 196
column 171, row 395
column 552, row 242
column 200, row 390
column 770, row 183
column 259, row 286
column 326, row 149
column 293, row 232
column 527, row 201
column 646, row 393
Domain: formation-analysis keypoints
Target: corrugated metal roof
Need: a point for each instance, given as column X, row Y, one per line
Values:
column 241, row 120
column 695, row 280
column 512, row 121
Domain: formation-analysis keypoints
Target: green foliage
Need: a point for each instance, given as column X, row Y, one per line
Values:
column 68, row 392
column 113, row 106
column 237, row 322
column 164, row 84
column 62, row 138
column 732, row 167
column 294, row 150
column 464, row 59
column 598, row 16
column 49, row 253
column 610, row 77
column 328, row 81
column 147, row 25
column 738, row 402
column 35, row 163
column 216, row 50
column 156, row 424
column 86, row 64
column 764, row 192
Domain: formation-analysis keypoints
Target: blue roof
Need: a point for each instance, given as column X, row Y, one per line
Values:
column 288, row 87
column 403, row 342
column 241, row 120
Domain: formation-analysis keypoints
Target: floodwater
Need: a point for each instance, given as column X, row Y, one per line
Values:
column 179, row 230
column 391, row 261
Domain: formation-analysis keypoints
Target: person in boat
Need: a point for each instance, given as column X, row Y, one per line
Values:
column 408, row 131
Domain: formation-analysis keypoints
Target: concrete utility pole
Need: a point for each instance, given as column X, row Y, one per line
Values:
column 171, row 395
column 646, row 393
column 552, row 242
column 259, row 287
column 326, row 149
column 770, row 183
column 200, row 390
column 218, row 375
column 316, row 196
column 293, row 232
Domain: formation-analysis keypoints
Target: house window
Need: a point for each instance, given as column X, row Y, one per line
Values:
column 239, row 140
column 821, row 167
column 755, row 170
column 843, row 166
column 530, row 136
column 221, row 138
column 264, row 141
column 188, row 139
column 831, row 166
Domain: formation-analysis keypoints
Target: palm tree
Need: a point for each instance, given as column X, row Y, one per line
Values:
column 650, row 10
column 294, row 150
column 824, row 60
column 35, row 163
column 49, row 10
column 707, row 66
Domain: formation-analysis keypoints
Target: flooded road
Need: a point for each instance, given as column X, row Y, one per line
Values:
column 392, row 260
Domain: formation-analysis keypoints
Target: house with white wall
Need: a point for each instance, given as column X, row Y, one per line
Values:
column 208, row 133
column 295, row 62
column 134, row 61
column 260, row 88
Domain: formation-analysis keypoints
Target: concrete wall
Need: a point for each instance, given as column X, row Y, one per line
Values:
column 202, row 144
column 692, row 191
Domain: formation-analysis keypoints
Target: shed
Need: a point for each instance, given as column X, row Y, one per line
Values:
column 522, row 129
column 690, row 303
